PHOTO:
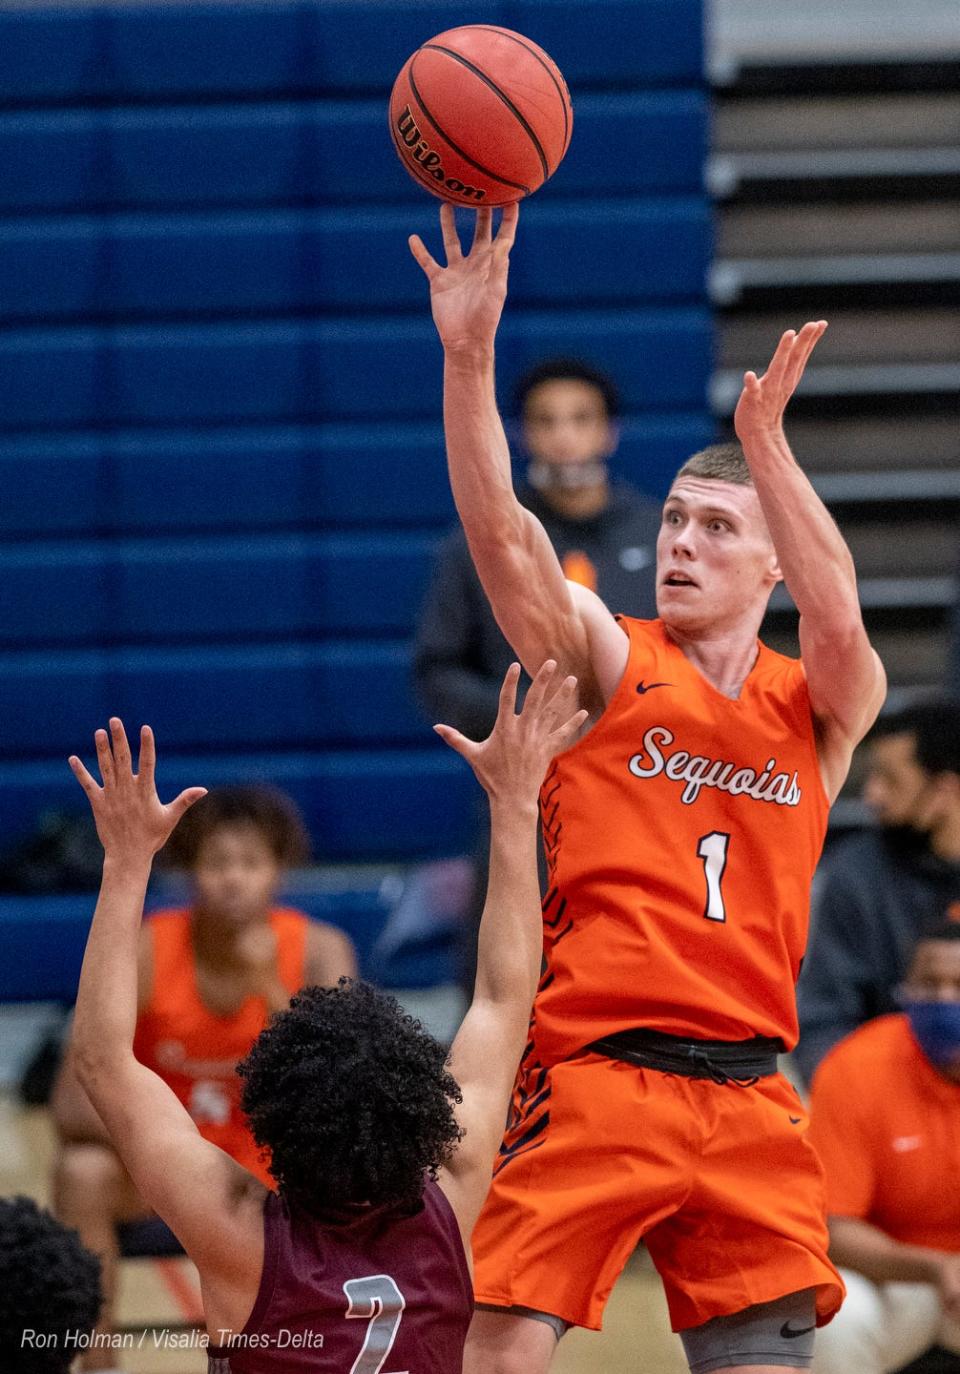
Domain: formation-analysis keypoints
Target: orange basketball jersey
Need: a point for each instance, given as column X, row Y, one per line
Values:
column 196, row 1051
column 681, row 836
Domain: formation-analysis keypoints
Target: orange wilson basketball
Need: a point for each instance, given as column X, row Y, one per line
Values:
column 480, row 115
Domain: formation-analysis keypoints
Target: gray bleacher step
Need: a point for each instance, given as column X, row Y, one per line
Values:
column 890, row 120
column 913, row 655
column 867, row 31
column 924, row 548
column 821, row 172
column 842, row 444
column 733, row 278
column 871, row 488
column 753, row 231
column 856, row 337
column 890, row 594
column 869, row 380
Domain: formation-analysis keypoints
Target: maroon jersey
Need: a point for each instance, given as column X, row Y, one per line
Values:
column 375, row 1295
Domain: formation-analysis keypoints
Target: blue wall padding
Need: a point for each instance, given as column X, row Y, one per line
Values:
column 401, row 804
column 307, row 153
column 358, row 368
column 220, row 387
column 161, row 51
column 308, row 476
column 299, row 696
column 655, row 250
column 216, row 588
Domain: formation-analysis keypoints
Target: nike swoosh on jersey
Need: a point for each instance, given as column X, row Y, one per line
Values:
column 643, row 687
column 902, row 1143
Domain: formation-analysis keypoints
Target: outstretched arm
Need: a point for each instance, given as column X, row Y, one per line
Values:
column 194, row 1186
column 521, row 575
column 845, row 677
column 510, row 765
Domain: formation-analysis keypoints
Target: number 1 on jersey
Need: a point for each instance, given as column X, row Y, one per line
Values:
column 712, row 849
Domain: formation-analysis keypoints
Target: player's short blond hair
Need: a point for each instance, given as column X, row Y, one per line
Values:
column 718, row 463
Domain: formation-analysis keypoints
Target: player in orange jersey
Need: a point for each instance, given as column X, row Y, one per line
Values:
column 682, row 832
column 208, row 978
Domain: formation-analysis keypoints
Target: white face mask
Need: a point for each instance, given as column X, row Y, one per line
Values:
column 566, row 476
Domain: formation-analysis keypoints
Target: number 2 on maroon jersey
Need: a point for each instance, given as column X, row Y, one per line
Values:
column 712, row 849
column 378, row 1300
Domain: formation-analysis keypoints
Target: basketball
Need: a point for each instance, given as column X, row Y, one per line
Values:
column 480, row 115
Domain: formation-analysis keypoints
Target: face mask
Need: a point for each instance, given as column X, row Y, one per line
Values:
column 936, row 1026
column 565, row 476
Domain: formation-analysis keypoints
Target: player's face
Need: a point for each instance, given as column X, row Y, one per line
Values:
column 715, row 558
column 934, row 973
column 565, row 422
column 236, row 875
column 896, row 787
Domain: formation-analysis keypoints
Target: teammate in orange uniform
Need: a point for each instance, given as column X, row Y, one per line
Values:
column 885, row 1120
column 209, row 977
column 682, row 832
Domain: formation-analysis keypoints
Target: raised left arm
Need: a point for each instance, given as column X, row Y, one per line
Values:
column 196, row 1188
column 845, row 677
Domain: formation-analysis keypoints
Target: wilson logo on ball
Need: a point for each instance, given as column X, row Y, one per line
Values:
column 480, row 115
column 408, row 133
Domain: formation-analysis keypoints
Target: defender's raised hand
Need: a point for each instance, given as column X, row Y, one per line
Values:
column 764, row 399
column 467, row 295
column 511, row 762
column 132, row 822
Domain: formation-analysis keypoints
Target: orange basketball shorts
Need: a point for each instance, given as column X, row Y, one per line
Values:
column 719, row 1181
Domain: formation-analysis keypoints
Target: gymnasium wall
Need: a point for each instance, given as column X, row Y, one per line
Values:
column 220, row 451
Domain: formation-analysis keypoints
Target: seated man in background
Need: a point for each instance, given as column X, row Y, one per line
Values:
column 209, row 978
column 605, row 535
column 879, row 890
column 49, row 1290
column 885, row 1120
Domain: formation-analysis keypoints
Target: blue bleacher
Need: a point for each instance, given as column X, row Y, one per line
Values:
column 271, row 477
column 112, row 52
column 392, row 804
column 656, row 249
column 296, row 696
column 310, row 152
column 220, row 436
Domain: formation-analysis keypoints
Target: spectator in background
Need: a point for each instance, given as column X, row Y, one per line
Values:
column 953, row 664
column 879, row 890
column 605, row 534
column 885, row 1120
column 210, row 976
column 49, row 1290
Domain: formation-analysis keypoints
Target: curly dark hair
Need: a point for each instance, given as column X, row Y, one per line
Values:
column 566, row 370
column 267, row 809
column 352, row 1098
column 49, row 1284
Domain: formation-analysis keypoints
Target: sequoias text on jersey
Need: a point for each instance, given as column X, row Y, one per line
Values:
column 697, row 771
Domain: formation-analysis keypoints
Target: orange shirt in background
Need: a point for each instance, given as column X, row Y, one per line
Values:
column 681, row 836
column 196, row 1051
column 886, row 1126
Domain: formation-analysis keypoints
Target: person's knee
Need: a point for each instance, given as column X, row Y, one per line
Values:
column 511, row 1342
column 88, row 1179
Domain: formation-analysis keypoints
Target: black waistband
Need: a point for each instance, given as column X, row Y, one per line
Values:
column 725, row 1061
